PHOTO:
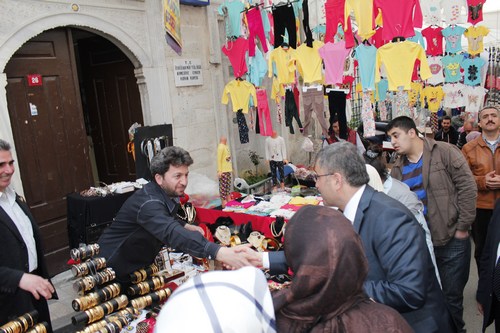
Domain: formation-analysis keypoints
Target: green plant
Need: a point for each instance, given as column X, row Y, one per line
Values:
column 252, row 178
column 255, row 159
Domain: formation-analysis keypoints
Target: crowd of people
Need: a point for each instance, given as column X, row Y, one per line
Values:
column 397, row 259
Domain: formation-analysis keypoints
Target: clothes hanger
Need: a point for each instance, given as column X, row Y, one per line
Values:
column 398, row 39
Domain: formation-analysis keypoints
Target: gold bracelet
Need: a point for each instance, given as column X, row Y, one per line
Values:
column 235, row 240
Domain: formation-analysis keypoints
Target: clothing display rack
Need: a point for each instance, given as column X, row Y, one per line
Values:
column 149, row 141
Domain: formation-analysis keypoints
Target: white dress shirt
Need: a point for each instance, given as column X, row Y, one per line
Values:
column 349, row 213
column 352, row 205
column 10, row 206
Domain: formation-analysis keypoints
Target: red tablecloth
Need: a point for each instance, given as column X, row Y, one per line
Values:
column 259, row 223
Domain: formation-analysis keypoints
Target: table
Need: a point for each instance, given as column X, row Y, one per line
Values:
column 259, row 223
column 89, row 216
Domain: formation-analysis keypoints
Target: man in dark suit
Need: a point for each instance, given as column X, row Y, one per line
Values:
column 24, row 280
column 488, row 298
column 401, row 274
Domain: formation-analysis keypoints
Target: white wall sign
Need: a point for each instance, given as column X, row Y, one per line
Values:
column 187, row 72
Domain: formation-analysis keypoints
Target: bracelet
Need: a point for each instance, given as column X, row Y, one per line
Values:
column 272, row 244
column 235, row 240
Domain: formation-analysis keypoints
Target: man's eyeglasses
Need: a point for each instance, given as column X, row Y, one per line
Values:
column 316, row 177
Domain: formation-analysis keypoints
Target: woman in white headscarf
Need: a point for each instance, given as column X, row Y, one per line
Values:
column 220, row 301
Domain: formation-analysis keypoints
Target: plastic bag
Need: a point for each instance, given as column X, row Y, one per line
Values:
column 307, row 145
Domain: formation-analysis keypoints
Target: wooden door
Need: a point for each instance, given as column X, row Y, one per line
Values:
column 49, row 134
column 112, row 103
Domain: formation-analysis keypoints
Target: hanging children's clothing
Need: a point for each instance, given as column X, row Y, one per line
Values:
column 309, row 62
column 235, row 51
column 418, row 38
column 472, row 70
column 475, row 36
column 378, row 40
column 398, row 60
column 382, row 87
column 366, row 56
column 454, row 95
column 436, row 68
column 255, row 29
column 334, row 56
column 475, row 11
column 474, row 99
column 400, row 103
column 264, row 114
column 414, row 93
column 284, row 18
column 452, row 10
column 431, row 11
column 334, row 15
column 452, row 65
column 367, row 115
column 291, row 111
column 433, row 96
column 382, row 110
column 305, row 22
column 434, row 39
column 233, row 23
column 242, row 127
column 453, row 37
column 257, row 68
column 399, row 17
column 284, row 66
column 313, row 100
column 363, row 12
column 240, row 92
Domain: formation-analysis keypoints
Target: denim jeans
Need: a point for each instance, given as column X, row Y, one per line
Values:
column 453, row 262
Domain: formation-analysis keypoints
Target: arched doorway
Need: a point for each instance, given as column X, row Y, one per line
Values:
column 88, row 90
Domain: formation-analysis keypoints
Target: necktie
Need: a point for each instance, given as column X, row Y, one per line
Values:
column 496, row 280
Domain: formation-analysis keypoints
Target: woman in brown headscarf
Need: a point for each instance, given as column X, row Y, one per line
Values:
column 329, row 265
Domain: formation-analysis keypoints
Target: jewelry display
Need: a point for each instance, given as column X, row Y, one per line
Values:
column 142, row 274
column 99, row 311
column 84, row 252
column 39, row 328
column 87, row 283
column 223, row 235
column 257, row 240
column 91, row 300
column 88, row 266
column 21, row 324
column 235, row 240
column 157, row 297
column 277, row 227
column 272, row 244
column 142, row 327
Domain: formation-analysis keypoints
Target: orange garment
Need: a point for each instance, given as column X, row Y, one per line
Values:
column 398, row 60
column 240, row 92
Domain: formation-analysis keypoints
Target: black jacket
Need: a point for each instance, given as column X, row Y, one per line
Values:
column 451, row 136
column 13, row 264
column 401, row 274
column 146, row 222
column 488, row 261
